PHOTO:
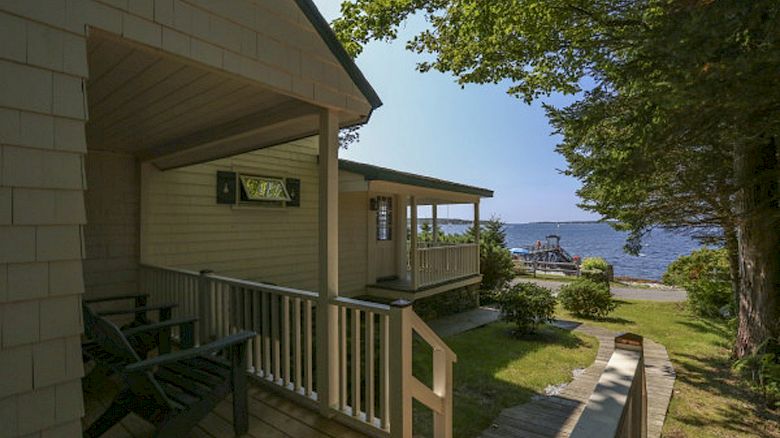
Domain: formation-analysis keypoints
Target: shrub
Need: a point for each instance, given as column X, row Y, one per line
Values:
column 496, row 267
column 595, row 269
column 705, row 275
column 587, row 298
column 595, row 263
column 762, row 370
column 527, row 305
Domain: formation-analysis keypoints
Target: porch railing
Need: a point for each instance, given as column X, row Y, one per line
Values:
column 374, row 367
column 439, row 264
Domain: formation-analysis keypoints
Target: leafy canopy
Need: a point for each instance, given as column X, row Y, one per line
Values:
column 666, row 89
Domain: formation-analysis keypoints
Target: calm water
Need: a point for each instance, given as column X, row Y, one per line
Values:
column 599, row 239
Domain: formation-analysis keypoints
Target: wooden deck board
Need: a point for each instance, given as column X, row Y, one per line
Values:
column 270, row 416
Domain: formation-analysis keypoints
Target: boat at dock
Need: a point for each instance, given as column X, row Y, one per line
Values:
column 547, row 255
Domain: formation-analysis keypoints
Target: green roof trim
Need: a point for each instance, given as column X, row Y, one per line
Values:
column 329, row 37
column 371, row 172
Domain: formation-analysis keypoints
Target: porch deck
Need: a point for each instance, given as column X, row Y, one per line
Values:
column 270, row 415
column 403, row 288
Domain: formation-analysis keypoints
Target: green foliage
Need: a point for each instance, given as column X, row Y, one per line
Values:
column 587, row 298
column 495, row 260
column 705, row 275
column 670, row 97
column 526, row 305
column 493, row 232
column 762, row 370
column 597, row 263
column 496, row 267
column 595, row 269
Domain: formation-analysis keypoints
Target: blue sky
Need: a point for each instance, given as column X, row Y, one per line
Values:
column 478, row 135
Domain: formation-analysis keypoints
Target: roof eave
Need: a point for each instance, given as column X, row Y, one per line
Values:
column 374, row 173
column 314, row 16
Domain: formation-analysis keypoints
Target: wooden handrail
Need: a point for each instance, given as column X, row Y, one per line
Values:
column 427, row 333
column 618, row 406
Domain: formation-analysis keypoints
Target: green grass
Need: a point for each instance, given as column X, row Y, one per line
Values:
column 496, row 371
column 708, row 400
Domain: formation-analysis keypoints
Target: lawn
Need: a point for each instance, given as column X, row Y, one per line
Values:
column 707, row 401
column 496, row 371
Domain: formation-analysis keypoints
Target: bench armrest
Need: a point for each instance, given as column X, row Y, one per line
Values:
column 136, row 310
column 159, row 326
column 212, row 347
column 115, row 298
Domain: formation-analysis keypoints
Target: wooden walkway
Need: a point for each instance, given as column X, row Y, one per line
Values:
column 555, row 416
column 270, row 416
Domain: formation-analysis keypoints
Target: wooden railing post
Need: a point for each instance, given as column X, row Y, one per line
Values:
column 204, row 306
column 477, row 231
column 442, row 386
column 414, row 253
column 400, row 369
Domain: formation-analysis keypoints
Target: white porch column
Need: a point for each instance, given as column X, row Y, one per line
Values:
column 435, row 220
column 327, row 316
column 401, row 250
column 477, row 227
column 415, row 260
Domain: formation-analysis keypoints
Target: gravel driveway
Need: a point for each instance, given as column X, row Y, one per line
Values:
column 627, row 293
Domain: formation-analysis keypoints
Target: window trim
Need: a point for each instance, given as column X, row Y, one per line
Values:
column 387, row 235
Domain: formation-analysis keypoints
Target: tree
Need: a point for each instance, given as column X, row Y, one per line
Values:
column 678, row 129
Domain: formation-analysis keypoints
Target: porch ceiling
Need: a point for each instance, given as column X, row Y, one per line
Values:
column 174, row 112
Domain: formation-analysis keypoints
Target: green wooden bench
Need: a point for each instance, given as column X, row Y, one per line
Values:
column 143, row 341
column 174, row 391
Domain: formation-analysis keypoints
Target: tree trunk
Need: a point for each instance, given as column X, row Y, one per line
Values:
column 758, row 221
column 732, row 248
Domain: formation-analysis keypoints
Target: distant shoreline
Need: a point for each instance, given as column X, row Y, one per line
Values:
column 456, row 221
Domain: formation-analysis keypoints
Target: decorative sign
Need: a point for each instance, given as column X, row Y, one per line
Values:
column 258, row 188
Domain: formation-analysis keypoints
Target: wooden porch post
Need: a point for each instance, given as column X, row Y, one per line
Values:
column 415, row 262
column 400, row 369
column 435, row 220
column 400, row 236
column 327, row 317
column 477, row 230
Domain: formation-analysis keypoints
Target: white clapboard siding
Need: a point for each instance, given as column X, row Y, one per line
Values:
column 352, row 242
column 184, row 227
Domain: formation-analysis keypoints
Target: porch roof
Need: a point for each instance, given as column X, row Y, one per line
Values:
column 322, row 27
column 371, row 173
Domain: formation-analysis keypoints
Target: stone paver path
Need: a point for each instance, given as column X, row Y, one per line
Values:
column 464, row 321
column 555, row 416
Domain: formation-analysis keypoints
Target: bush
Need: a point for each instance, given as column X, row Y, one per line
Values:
column 587, row 298
column 527, row 305
column 495, row 260
column 762, row 370
column 595, row 263
column 496, row 268
column 595, row 269
column 705, row 275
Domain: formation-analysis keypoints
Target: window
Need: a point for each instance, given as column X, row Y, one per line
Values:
column 384, row 218
column 263, row 189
